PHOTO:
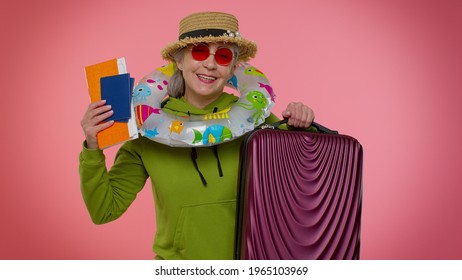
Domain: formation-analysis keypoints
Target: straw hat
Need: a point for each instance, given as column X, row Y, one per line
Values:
column 210, row 27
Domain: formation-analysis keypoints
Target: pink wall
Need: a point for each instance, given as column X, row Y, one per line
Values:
column 386, row 72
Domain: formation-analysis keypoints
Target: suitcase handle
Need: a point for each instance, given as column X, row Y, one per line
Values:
column 316, row 125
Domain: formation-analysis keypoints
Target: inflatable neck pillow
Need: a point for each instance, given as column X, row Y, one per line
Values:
column 254, row 104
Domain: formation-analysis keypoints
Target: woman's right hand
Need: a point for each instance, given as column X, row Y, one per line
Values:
column 92, row 121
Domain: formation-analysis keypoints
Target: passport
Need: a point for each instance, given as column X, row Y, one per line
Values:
column 120, row 131
column 117, row 91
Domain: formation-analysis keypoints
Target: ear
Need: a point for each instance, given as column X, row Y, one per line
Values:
column 179, row 61
column 179, row 65
column 232, row 71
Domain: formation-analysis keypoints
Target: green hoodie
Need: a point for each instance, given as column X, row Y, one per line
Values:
column 193, row 221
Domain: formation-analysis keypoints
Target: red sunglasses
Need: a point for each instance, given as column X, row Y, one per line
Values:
column 223, row 55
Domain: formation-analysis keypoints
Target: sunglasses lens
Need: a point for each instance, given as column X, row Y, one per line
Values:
column 200, row 52
column 223, row 56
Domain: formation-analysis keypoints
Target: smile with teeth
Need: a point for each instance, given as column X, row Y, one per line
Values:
column 208, row 78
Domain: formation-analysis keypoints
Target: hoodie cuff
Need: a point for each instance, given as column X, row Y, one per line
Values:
column 91, row 156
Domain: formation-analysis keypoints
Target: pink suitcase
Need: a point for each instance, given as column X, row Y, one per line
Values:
column 299, row 196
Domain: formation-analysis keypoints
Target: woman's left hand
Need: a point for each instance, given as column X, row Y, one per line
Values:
column 299, row 115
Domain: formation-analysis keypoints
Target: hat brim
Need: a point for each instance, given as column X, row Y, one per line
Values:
column 247, row 49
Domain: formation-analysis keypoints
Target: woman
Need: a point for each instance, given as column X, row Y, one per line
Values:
column 194, row 189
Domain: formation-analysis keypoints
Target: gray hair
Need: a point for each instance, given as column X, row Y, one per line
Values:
column 176, row 85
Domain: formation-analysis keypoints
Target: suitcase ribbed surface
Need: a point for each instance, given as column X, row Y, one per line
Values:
column 302, row 196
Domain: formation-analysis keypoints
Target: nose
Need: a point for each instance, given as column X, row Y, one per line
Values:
column 210, row 62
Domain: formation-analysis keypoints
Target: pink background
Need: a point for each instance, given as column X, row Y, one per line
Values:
column 385, row 72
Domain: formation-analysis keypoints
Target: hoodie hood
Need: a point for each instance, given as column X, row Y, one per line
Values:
column 180, row 107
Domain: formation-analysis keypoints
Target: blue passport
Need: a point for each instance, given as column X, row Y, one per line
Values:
column 117, row 91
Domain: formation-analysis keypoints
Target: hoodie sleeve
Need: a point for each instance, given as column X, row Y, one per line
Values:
column 108, row 195
column 272, row 119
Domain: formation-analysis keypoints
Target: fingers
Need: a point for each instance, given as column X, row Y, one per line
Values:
column 92, row 121
column 96, row 112
column 104, row 125
column 100, row 115
column 299, row 115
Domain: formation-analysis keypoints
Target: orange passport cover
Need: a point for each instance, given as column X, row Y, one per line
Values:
column 118, row 132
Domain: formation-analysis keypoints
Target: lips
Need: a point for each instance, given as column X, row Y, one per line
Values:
column 206, row 78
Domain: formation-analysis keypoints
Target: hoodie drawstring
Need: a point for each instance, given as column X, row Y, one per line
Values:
column 194, row 157
column 194, row 160
column 215, row 151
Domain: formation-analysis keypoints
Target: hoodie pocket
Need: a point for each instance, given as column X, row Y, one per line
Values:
column 206, row 231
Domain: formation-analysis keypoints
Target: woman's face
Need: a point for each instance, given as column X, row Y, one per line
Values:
column 204, row 80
